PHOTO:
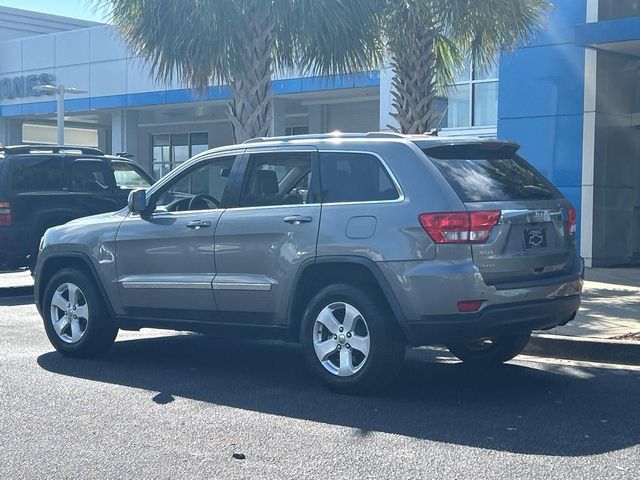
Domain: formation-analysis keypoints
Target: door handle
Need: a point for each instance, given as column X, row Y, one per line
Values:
column 198, row 224
column 298, row 219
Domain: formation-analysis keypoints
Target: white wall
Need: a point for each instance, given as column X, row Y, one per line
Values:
column 85, row 137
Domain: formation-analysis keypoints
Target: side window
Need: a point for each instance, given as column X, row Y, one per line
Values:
column 128, row 177
column 199, row 188
column 36, row 173
column 89, row 176
column 277, row 179
column 354, row 177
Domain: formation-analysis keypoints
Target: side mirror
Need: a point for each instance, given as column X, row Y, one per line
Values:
column 138, row 201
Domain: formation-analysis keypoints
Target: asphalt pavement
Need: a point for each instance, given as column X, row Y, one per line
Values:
column 168, row 405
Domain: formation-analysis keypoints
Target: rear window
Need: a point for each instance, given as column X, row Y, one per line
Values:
column 354, row 177
column 478, row 175
column 36, row 173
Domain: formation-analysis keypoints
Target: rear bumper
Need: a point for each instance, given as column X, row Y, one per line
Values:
column 428, row 293
column 493, row 321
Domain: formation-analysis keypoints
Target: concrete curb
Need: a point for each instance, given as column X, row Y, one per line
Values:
column 624, row 352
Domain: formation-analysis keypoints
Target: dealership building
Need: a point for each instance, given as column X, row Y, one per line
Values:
column 570, row 97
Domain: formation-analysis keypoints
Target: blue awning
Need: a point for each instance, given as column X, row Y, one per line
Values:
column 620, row 35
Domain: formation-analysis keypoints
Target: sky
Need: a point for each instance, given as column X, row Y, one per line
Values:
column 68, row 8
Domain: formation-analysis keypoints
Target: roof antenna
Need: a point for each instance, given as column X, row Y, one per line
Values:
column 435, row 131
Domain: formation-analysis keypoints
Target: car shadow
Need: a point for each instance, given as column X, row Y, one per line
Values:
column 526, row 408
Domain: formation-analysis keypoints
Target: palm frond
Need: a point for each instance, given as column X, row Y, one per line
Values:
column 191, row 39
column 485, row 28
column 328, row 36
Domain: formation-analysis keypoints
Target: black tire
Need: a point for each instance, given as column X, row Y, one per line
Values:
column 386, row 343
column 495, row 352
column 100, row 330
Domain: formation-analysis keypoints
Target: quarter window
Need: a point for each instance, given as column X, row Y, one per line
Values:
column 354, row 177
column 277, row 179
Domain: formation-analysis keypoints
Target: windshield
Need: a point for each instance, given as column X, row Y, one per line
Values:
column 492, row 176
column 128, row 177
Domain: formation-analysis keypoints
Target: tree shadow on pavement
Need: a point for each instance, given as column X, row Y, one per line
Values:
column 531, row 408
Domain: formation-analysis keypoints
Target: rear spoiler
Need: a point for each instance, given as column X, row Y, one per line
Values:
column 473, row 150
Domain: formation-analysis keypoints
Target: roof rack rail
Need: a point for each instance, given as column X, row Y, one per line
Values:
column 320, row 136
column 22, row 149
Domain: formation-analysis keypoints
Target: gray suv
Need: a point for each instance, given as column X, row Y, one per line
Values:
column 355, row 245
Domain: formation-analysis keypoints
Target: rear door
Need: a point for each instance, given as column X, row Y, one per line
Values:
column 532, row 239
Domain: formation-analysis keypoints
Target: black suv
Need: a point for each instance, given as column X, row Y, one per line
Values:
column 45, row 186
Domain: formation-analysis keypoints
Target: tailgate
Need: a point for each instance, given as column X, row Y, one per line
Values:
column 533, row 238
column 528, row 243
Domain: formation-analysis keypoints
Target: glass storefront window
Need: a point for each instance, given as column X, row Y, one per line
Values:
column 199, row 143
column 489, row 72
column 180, row 148
column 473, row 100
column 458, row 106
column 485, row 104
column 170, row 150
column 301, row 130
column 463, row 75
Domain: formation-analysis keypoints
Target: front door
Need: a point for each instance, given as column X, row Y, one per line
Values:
column 261, row 244
column 165, row 259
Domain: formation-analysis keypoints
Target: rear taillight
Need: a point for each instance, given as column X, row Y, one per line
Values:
column 572, row 220
column 5, row 213
column 460, row 227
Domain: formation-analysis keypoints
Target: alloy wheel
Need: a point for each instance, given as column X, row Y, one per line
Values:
column 69, row 313
column 341, row 339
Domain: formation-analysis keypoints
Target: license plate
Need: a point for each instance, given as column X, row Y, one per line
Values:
column 535, row 238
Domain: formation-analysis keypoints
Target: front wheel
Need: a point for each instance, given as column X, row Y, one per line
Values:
column 490, row 351
column 75, row 316
column 350, row 340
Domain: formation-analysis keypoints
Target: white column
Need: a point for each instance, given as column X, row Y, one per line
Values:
column 103, row 140
column 317, row 123
column 386, row 74
column 592, row 10
column 278, row 117
column 124, row 132
column 589, row 144
column 10, row 131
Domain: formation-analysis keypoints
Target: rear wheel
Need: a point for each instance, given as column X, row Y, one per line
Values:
column 490, row 351
column 75, row 316
column 350, row 340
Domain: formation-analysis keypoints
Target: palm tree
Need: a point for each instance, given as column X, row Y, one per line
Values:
column 240, row 43
column 428, row 40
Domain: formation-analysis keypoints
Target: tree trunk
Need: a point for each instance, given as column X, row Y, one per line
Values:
column 250, row 109
column 414, row 88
